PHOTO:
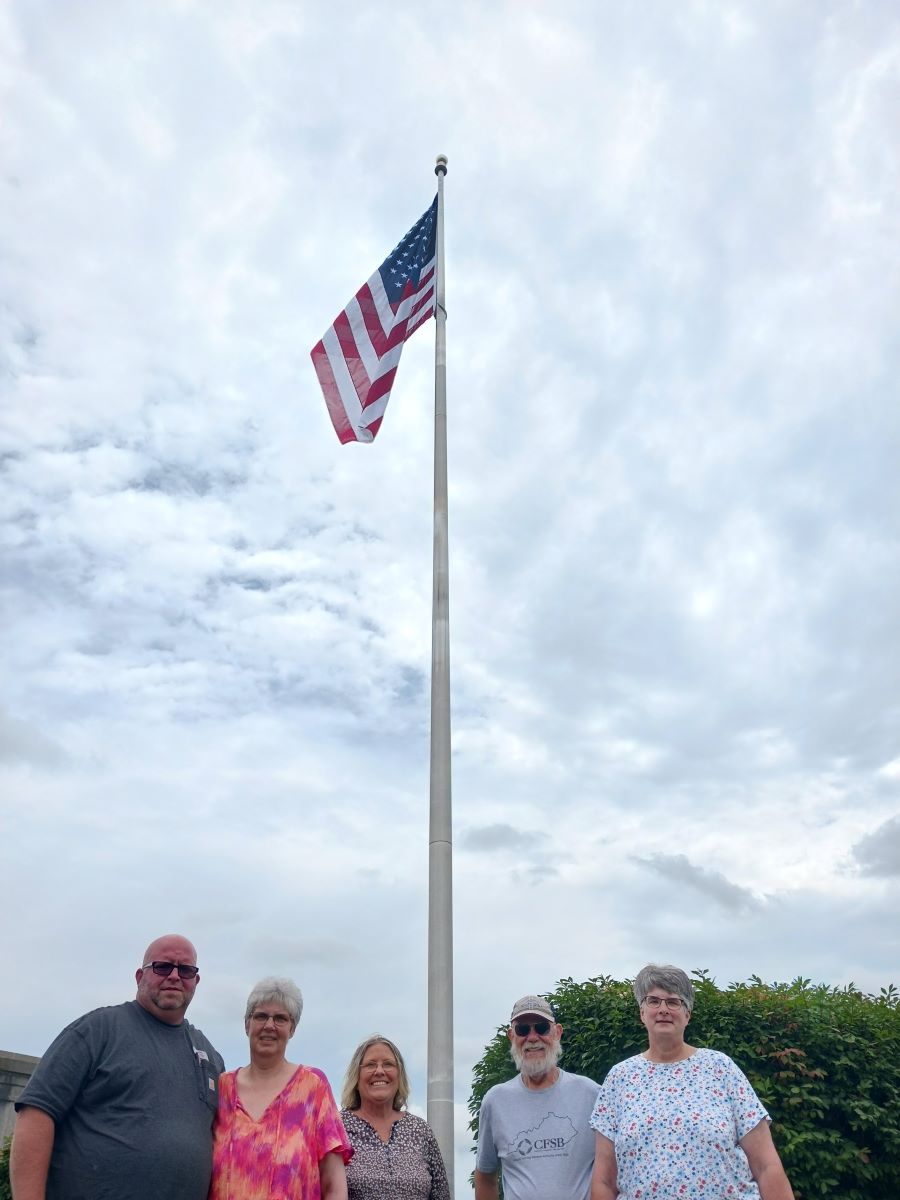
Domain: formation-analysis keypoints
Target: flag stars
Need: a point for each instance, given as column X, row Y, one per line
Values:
column 403, row 267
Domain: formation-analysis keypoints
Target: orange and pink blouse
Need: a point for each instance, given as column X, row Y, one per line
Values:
column 278, row 1156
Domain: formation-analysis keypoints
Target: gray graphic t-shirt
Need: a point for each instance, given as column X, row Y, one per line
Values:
column 539, row 1137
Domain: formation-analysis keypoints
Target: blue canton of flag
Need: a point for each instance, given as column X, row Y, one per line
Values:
column 403, row 264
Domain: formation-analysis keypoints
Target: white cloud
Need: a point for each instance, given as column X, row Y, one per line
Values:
column 878, row 853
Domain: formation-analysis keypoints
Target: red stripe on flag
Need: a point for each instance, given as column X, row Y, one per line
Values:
column 342, row 427
column 419, row 321
column 381, row 387
column 378, row 335
column 420, row 311
column 355, row 365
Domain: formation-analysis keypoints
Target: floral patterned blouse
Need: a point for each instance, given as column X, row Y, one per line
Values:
column 408, row 1166
column 676, row 1127
column 277, row 1156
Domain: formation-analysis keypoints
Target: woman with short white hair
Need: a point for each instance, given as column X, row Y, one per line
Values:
column 277, row 1131
column 677, row 1122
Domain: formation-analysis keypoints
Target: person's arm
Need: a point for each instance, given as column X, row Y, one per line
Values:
column 487, row 1182
column 333, row 1177
column 604, row 1184
column 765, row 1165
column 29, row 1159
column 487, row 1185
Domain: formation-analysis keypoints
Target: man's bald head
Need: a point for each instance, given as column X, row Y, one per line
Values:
column 166, row 994
column 162, row 948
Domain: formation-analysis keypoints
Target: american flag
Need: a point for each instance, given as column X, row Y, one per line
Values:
column 357, row 358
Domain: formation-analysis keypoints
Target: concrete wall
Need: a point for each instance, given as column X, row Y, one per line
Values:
column 15, row 1071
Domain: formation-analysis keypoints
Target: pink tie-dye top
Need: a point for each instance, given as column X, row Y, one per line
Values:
column 278, row 1156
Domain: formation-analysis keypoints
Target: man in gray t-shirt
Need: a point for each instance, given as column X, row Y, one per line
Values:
column 121, row 1105
column 535, row 1127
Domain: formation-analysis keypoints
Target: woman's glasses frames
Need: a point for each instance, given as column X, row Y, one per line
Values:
column 261, row 1018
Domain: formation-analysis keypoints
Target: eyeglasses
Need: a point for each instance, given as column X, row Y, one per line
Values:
column 185, row 970
column 671, row 1002
column 523, row 1028
column 261, row 1018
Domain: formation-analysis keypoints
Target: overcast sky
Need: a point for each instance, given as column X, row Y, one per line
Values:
column 673, row 291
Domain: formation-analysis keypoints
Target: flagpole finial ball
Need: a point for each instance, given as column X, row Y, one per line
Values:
column 440, row 167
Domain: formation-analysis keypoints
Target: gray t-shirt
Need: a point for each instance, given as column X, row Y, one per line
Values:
column 133, row 1100
column 539, row 1137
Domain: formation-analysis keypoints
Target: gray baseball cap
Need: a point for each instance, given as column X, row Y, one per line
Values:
column 535, row 1005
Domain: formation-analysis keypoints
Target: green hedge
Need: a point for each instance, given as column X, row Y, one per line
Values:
column 824, row 1061
column 5, row 1189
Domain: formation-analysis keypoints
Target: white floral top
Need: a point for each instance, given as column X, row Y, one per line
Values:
column 676, row 1127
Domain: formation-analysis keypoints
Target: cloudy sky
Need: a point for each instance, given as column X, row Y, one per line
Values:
column 672, row 281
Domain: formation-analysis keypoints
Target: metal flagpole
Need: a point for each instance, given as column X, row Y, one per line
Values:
column 440, row 837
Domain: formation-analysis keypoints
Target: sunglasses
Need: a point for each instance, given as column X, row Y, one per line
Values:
column 185, row 970
column 523, row 1028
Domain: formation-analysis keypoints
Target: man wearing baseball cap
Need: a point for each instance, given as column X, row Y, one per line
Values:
column 535, row 1127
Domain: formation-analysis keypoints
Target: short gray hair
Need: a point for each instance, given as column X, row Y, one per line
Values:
column 350, row 1097
column 273, row 990
column 669, row 978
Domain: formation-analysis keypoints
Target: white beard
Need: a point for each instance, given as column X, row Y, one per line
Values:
column 533, row 1066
